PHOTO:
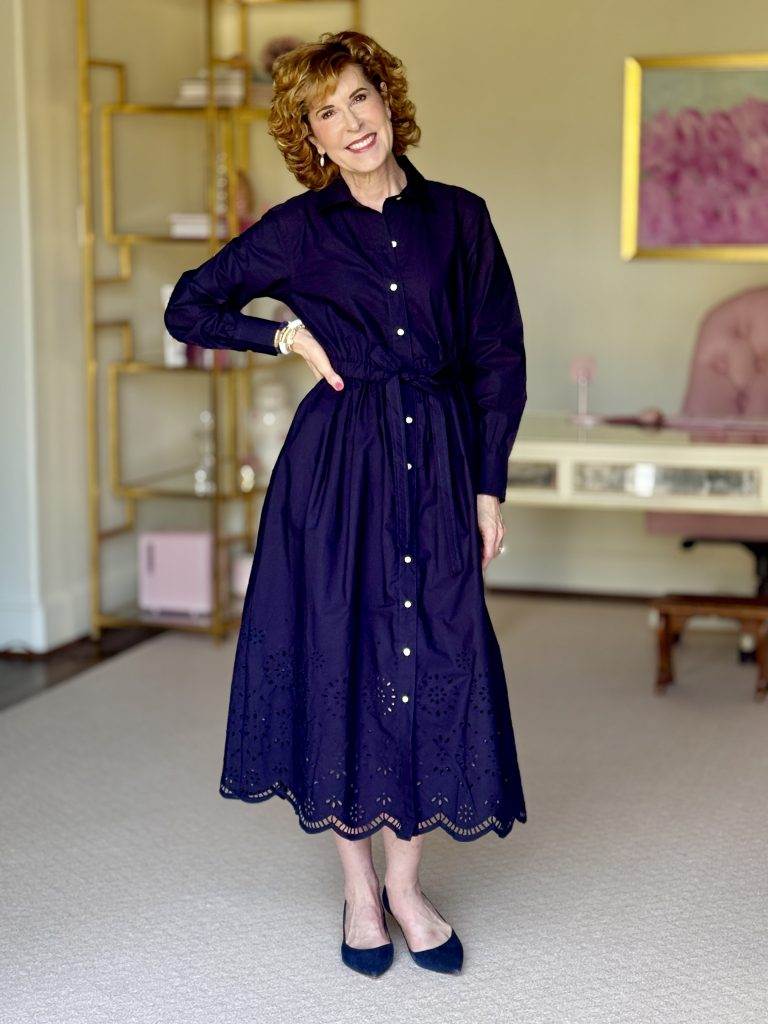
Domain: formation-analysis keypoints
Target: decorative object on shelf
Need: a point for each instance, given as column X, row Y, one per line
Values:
column 174, row 352
column 695, row 177
column 261, row 86
column 174, row 571
column 207, row 358
column 221, row 182
column 197, row 224
column 247, row 479
column 231, row 83
column 272, row 49
column 269, row 419
column 582, row 372
column 228, row 90
column 206, row 445
column 192, row 225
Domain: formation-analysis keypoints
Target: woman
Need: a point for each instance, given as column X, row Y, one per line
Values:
column 368, row 687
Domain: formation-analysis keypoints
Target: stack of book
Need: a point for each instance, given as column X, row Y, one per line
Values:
column 229, row 90
column 194, row 225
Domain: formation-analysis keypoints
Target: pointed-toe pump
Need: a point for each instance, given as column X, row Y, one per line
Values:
column 372, row 961
column 447, row 958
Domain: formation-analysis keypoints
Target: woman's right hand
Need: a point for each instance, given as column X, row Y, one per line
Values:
column 310, row 349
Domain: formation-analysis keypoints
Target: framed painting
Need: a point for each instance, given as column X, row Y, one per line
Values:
column 695, row 157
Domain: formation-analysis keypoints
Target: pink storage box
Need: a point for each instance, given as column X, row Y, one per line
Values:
column 175, row 571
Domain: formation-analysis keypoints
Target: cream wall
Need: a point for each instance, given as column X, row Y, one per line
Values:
column 19, row 535
column 519, row 102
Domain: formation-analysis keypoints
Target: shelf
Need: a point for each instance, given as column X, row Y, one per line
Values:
column 180, row 483
column 225, row 132
column 252, row 111
column 232, row 115
column 149, row 366
column 235, row 479
column 131, row 615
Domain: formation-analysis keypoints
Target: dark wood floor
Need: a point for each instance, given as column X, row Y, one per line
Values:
column 24, row 675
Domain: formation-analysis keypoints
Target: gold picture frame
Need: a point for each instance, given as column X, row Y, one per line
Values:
column 695, row 157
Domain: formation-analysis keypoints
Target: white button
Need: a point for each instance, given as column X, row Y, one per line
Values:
column 394, row 243
column 404, row 698
column 400, row 330
column 407, row 558
column 407, row 604
column 409, row 465
column 398, row 197
column 393, row 287
column 406, row 651
column 409, row 419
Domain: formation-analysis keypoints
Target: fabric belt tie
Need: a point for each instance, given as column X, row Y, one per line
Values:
column 432, row 383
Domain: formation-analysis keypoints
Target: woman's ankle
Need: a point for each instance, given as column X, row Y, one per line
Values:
column 361, row 889
column 402, row 888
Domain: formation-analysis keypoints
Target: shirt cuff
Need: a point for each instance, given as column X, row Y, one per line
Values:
column 492, row 474
column 257, row 334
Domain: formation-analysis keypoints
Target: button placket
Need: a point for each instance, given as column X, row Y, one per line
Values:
column 408, row 574
column 394, row 275
column 408, row 592
column 395, row 286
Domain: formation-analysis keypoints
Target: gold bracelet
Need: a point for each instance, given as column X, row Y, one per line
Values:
column 284, row 335
column 280, row 333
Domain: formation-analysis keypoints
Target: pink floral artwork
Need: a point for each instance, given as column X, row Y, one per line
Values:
column 704, row 175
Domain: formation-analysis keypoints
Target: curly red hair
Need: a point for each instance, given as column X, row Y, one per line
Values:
column 311, row 70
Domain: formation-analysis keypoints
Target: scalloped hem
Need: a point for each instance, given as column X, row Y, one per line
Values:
column 439, row 820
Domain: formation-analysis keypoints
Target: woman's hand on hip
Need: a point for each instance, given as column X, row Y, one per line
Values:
column 491, row 526
column 313, row 353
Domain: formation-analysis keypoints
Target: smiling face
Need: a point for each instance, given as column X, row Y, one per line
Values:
column 355, row 112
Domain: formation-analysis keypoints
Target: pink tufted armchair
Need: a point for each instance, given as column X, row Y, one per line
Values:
column 728, row 377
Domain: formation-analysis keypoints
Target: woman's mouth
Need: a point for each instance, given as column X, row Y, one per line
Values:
column 362, row 144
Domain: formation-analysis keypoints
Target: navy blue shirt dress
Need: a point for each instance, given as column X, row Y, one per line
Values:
column 368, row 687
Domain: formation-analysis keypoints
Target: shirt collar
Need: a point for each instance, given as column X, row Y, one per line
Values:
column 338, row 191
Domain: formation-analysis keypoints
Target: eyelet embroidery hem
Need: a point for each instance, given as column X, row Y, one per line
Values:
column 228, row 790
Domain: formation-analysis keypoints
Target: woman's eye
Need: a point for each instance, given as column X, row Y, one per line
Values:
column 327, row 113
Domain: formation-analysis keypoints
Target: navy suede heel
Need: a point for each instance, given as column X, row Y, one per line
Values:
column 372, row 961
column 447, row 958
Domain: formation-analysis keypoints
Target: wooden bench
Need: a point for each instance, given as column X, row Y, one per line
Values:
column 674, row 611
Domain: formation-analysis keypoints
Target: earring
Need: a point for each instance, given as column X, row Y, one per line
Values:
column 322, row 159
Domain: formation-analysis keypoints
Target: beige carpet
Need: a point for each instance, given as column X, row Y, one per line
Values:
column 133, row 892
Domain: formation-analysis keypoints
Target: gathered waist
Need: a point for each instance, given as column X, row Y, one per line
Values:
column 433, row 381
column 383, row 365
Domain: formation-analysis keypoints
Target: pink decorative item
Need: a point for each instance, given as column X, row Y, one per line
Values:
column 582, row 372
column 175, row 571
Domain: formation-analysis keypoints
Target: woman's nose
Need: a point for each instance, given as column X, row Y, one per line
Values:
column 353, row 121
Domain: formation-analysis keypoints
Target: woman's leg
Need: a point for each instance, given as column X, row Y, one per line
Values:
column 423, row 928
column 364, row 927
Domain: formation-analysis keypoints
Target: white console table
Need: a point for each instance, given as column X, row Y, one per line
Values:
column 557, row 462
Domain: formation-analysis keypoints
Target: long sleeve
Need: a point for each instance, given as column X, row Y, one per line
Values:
column 205, row 305
column 495, row 355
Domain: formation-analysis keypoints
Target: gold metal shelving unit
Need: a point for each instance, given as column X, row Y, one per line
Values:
column 227, row 133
